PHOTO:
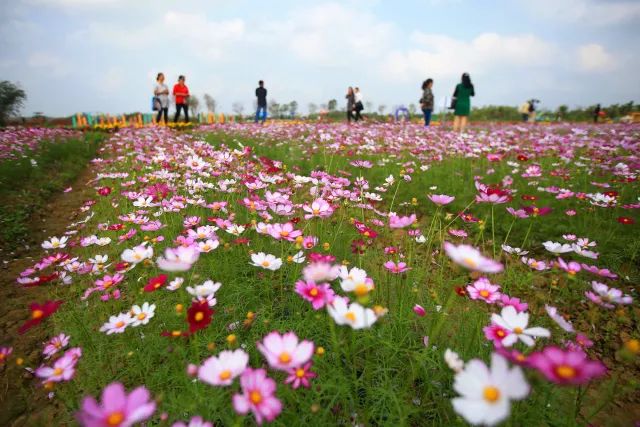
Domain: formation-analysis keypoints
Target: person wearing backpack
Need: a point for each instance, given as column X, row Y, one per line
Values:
column 426, row 102
column 161, row 99
column 181, row 92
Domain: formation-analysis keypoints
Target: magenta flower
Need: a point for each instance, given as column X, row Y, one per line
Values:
column 319, row 208
column 570, row 267
column 396, row 221
column 63, row 369
column 484, row 290
column 401, row 267
column 457, row 233
column 566, row 366
column 178, row 259
column 284, row 352
column 55, row 344
column 317, row 295
column 496, row 334
column 258, row 396
column 5, row 352
column 117, row 408
column 300, row 376
column 602, row 272
column 514, row 302
column 520, row 213
column 606, row 296
column 419, row 310
column 283, row 231
column 471, row 258
column 441, row 199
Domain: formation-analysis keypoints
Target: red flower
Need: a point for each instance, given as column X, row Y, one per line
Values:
column 536, row 211
column 115, row 227
column 104, row 191
column 199, row 316
column 522, row 157
column 611, row 193
column 39, row 312
column 461, row 291
column 626, row 220
column 241, row 241
column 42, row 280
column 121, row 266
column 155, row 283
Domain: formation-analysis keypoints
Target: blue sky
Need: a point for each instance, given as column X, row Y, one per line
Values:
column 102, row 55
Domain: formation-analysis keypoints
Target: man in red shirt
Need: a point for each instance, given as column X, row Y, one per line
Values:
column 181, row 92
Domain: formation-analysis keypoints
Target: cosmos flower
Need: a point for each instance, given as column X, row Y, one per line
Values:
column 471, row 258
column 39, row 312
column 317, row 294
column 556, row 317
column 400, row 267
column 284, row 352
column 117, row 408
column 209, row 287
column 352, row 314
column 318, row 208
column 199, row 316
column 266, row 261
column 606, row 296
column 155, row 283
column 55, row 344
column 566, row 366
column 140, row 315
column 137, row 254
column 258, row 396
column 222, row 369
column 486, row 392
column 117, row 324
column 441, row 199
column 55, row 243
column 300, row 376
column 178, row 259
column 396, row 221
column 516, row 323
column 483, row 289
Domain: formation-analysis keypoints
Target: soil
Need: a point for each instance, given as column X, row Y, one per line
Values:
column 22, row 401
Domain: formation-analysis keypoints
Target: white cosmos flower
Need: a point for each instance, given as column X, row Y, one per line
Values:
column 516, row 323
column 137, row 254
column 557, row 248
column 117, row 324
column 453, row 360
column 55, row 243
column 175, row 284
column 486, row 393
column 104, row 241
column 178, row 259
column 556, row 317
column 222, row 369
column 352, row 314
column 266, row 261
column 208, row 246
column 144, row 203
column 204, row 290
column 141, row 315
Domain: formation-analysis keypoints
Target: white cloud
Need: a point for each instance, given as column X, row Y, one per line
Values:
column 440, row 55
column 591, row 12
column 593, row 57
column 48, row 62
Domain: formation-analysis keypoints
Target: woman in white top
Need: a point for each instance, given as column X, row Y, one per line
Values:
column 358, row 107
column 161, row 92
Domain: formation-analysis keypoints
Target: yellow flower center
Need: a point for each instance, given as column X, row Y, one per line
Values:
column 225, row 375
column 484, row 293
column 470, row 262
column 115, row 418
column 57, row 371
column 313, row 292
column 142, row 316
column 284, row 357
column 284, row 233
column 565, row 371
column 350, row 316
column 265, row 263
column 361, row 289
column 107, row 284
column 199, row 316
column 176, row 333
column 517, row 330
column 120, row 324
column 491, row 394
column 255, row 397
column 500, row 333
column 300, row 373
column 37, row 314
column 316, row 211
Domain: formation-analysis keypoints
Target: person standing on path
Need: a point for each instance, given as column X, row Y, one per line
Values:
column 359, row 106
column 426, row 102
column 462, row 96
column 181, row 92
column 261, row 94
column 351, row 103
column 161, row 92
column 596, row 113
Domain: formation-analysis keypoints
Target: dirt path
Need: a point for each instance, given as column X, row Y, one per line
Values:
column 22, row 403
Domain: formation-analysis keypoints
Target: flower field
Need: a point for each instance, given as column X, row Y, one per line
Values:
column 320, row 274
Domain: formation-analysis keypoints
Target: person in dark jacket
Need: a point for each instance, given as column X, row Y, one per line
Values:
column 261, row 95
column 596, row 113
column 351, row 103
column 426, row 102
column 462, row 95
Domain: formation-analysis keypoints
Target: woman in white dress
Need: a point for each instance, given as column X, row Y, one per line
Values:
column 161, row 92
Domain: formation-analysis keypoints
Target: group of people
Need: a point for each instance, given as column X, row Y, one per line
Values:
column 161, row 99
column 354, row 104
column 460, row 102
column 527, row 110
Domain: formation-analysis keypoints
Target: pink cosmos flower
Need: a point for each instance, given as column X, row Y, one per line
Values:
column 117, row 408
column 309, row 242
column 520, row 213
column 320, row 271
column 108, row 281
column 484, row 290
column 419, row 310
column 514, row 302
column 300, row 376
column 396, row 221
column 401, row 267
column 556, row 317
column 258, row 396
column 196, row 421
column 570, row 267
column 319, row 208
column 607, row 297
column 457, row 233
column 55, row 344
column 441, row 199
column 221, row 370
column 471, row 258
column 283, row 231
column 284, row 352
column 178, row 259
column 566, row 366
column 495, row 333
column 317, row 295
column 5, row 352
column 535, row 264
column 63, row 369
column 602, row 272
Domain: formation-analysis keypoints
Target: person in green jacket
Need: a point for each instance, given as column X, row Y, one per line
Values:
column 463, row 93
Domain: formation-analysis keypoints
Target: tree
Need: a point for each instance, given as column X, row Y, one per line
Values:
column 237, row 108
column 333, row 104
column 274, row 108
column 210, row 102
column 369, row 105
column 12, row 98
column 313, row 108
column 283, row 109
column 412, row 109
column 194, row 104
column 293, row 108
column 381, row 108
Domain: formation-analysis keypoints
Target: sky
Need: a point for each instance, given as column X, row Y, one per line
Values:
column 103, row 55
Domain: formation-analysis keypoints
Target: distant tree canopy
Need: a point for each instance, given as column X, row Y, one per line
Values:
column 210, row 102
column 194, row 104
column 332, row 105
column 12, row 99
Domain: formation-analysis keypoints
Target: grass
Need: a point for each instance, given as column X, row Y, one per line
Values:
column 384, row 375
column 27, row 183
